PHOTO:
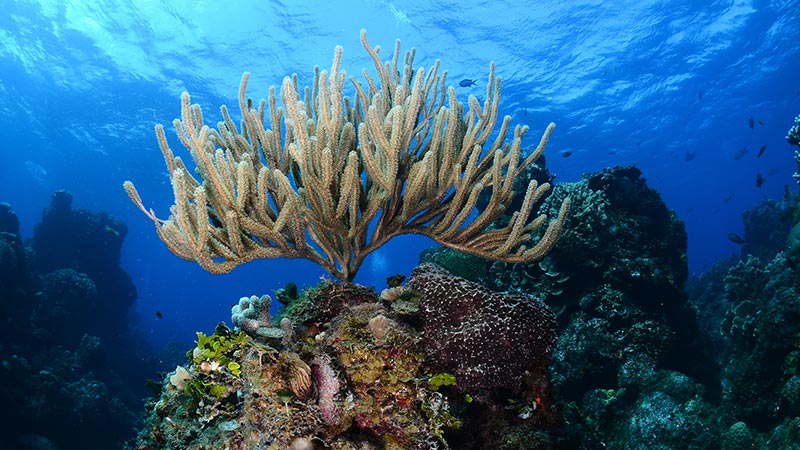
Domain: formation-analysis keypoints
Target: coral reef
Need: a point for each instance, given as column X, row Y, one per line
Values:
column 70, row 308
column 441, row 362
column 310, row 390
column 72, row 370
column 627, row 331
column 90, row 243
column 9, row 223
column 793, row 138
column 751, row 303
column 765, row 229
column 762, row 327
column 793, row 135
column 357, row 373
column 15, row 273
column 621, row 233
column 706, row 293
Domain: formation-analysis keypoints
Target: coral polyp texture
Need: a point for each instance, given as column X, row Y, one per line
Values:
column 487, row 339
column 403, row 156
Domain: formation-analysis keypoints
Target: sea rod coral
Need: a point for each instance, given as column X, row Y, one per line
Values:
column 404, row 155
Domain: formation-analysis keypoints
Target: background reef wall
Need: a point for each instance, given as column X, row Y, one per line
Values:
column 70, row 364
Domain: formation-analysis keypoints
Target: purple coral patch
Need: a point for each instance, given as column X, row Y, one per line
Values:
column 327, row 386
column 486, row 339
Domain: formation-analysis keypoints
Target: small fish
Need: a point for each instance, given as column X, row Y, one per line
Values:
column 759, row 180
column 689, row 156
column 761, row 123
column 735, row 238
column 761, row 151
column 566, row 154
column 159, row 315
column 639, row 143
column 751, row 122
column 740, row 153
column 467, row 83
column 700, row 94
column 112, row 231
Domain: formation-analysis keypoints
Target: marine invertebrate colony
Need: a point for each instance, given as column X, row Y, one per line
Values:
column 402, row 156
column 486, row 338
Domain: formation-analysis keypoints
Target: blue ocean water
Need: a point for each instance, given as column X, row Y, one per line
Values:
column 668, row 86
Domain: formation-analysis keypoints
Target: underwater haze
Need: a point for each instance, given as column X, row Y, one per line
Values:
column 688, row 91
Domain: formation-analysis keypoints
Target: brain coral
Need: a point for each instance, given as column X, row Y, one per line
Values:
column 486, row 339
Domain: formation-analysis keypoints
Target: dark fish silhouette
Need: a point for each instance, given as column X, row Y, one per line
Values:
column 566, row 154
column 689, row 156
column 751, row 122
column 761, row 151
column 740, row 153
column 159, row 315
column 759, row 180
column 735, row 238
column 761, row 123
column 700, row 94
column 468, row 83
